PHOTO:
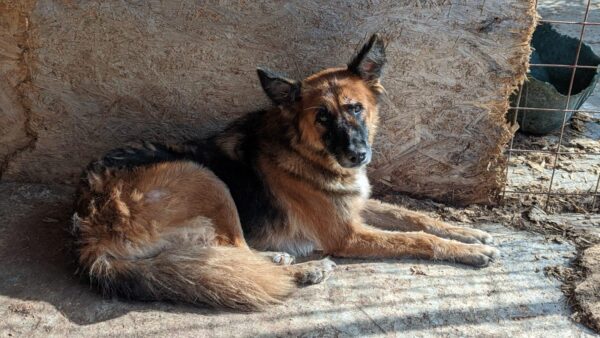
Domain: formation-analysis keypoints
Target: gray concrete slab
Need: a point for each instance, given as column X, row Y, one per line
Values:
column 39, row 295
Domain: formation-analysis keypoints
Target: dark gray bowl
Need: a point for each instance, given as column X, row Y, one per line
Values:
column 547, row 87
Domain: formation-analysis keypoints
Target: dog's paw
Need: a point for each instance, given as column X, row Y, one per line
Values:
column 279, row 258
column 476, row 255
column 315, row 271
column 469, row 235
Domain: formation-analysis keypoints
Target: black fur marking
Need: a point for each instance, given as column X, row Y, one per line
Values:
column 134, row 156
column 255, row 203
column 281, row 90
column 342, row 137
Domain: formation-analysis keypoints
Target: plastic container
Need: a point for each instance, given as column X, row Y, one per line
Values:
column 547, row 87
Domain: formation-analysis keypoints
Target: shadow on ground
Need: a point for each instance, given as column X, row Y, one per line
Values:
column 37, row 264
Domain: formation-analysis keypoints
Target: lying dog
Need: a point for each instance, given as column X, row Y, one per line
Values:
column 178, row 222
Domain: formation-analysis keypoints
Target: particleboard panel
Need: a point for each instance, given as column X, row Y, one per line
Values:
column 99, row 74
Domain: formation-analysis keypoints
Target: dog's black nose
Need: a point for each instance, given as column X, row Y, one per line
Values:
column 357, row 157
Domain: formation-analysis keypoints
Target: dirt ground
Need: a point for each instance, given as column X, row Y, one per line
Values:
column 518, row 295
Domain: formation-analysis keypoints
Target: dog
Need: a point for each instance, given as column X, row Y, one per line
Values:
column 219, row 220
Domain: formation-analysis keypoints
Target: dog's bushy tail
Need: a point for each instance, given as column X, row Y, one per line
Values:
column 187, row 271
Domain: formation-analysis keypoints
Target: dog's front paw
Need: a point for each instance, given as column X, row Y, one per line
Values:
column 477, row 255
column 469, row 235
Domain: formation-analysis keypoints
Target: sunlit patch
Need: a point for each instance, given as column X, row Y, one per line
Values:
column 155, row 195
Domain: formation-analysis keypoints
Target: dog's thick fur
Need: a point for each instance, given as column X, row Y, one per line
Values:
column 178, row 222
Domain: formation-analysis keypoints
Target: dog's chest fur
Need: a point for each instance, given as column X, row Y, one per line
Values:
column 309, row 213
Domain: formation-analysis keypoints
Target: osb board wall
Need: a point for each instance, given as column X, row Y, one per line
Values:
column 14, row 133
column 81, row 77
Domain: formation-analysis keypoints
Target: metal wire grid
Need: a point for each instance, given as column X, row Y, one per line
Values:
column 557, row 152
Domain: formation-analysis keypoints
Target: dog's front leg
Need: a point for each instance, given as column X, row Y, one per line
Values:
column 392, row 217
column 361, row 241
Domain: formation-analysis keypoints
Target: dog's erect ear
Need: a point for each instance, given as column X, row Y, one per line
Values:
column 281, row 90
column 369, row 62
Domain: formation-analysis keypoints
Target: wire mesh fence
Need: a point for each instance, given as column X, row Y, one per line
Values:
column 552, row 152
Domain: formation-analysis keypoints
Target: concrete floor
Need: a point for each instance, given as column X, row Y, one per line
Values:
column 39, row 295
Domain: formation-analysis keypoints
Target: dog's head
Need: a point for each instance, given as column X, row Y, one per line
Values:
column 335, row 110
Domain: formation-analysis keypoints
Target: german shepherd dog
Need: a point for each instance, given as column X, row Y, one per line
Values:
column 188, row 222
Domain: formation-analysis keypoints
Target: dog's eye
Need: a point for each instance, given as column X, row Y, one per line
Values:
column 322, row 115
column 355, row 109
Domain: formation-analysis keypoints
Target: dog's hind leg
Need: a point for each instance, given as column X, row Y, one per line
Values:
column 391, row 217
column 171, row 231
